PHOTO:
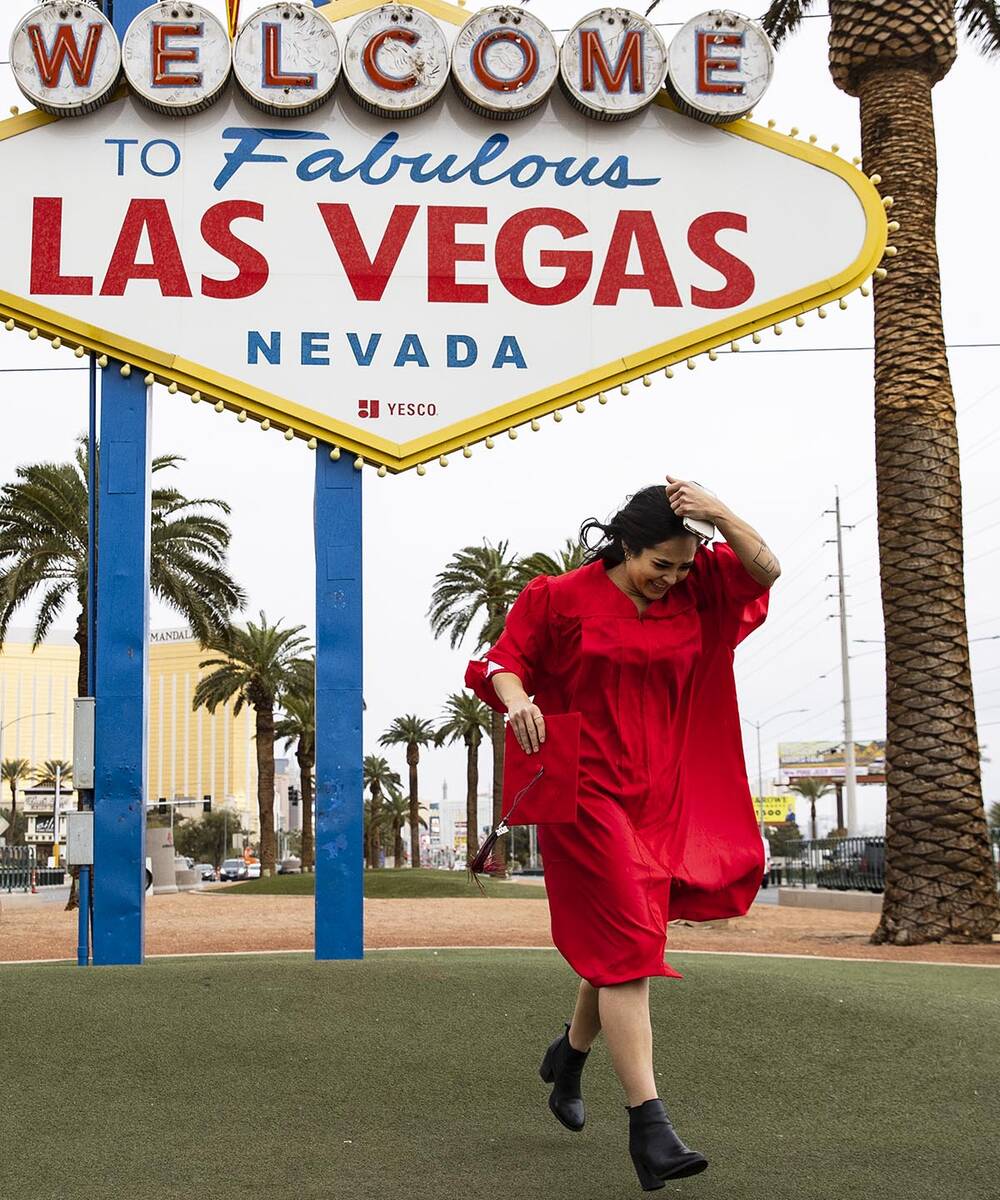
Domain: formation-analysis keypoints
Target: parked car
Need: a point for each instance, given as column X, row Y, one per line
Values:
column 206, row 872
column 253, row 870
column 290, row 866
column 232, row 869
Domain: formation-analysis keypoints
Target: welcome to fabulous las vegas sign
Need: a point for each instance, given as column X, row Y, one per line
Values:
column 405, row 230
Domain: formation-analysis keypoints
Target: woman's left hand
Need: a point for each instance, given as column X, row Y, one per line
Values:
column 689, row 500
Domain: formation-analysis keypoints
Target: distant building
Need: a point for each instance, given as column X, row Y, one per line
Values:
column 193, row 756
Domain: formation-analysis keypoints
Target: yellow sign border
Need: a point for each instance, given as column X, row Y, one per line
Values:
column 181, row 375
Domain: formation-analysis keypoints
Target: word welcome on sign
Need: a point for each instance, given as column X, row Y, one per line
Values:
column 395, row 61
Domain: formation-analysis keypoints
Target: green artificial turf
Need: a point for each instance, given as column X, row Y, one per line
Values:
column 415, row 1074
column 390, row 884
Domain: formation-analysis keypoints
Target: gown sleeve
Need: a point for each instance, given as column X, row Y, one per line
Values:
column 728, row 593
column 520, row 648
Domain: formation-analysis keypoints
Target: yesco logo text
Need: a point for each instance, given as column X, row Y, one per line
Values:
column 395, row 61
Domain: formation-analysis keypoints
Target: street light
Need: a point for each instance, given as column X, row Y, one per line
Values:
column 15, row 721
column 758, row 725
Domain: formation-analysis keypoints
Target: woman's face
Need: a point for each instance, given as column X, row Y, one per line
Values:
column 656, row 569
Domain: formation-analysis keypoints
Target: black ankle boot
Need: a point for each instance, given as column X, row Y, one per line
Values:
column 562, row 1065
column 657, row 1152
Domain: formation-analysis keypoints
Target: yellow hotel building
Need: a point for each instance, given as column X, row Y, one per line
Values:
column 191, row 754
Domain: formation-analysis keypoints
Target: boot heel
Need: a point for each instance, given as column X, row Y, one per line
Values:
column 649, row 1181
column 545, row 1070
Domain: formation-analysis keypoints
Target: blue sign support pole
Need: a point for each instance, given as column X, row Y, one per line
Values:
column 121, row 682
column 339, row 912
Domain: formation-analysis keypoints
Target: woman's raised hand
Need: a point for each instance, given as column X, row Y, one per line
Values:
column 689, row 500
column 526, row 720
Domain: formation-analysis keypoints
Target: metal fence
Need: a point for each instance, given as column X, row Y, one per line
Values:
column 842, row 864
column 19, row 870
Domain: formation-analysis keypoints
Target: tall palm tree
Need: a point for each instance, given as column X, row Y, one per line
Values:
column 412, row 732
column 479, row 582
column 298, row 725
column 381, row 781
column 811, row 790
column 43, row 547
column 466, row 719
column 396, row 813
column 939, row 875
column 258, row 666
column 13, row 771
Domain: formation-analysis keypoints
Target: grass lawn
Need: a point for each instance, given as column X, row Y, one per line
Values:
column 415, row 1074
column 390, row 884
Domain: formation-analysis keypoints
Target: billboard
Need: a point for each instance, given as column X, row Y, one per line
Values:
column 395, row 265
column 825, row 760
column 776, row 809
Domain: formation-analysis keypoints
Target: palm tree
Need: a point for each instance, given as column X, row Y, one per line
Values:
column 811, row 790
column 257, row 669
column 43, row 547
column 298, row 725
column 466, row 719
column 381, row 781
column 13, row 771
column 940, row 883
column 45, row 775
column 479, row 581
column 412, row 732
column 395, row 814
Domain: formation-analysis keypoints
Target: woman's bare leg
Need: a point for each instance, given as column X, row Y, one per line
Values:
column 586, row 1023
column 624, row 1017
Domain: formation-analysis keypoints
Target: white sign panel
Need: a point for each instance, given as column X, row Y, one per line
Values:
column 411, row 286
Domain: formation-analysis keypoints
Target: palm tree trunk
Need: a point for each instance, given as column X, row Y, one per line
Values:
column 397, row 847
column 472, row 800
column 812, row 817
column 497, row 738
column 414, row 813
column 265, row 786
column 13, row 811
column 940, row 883
column 376, row 839
column 80, row 637
column 306, row 762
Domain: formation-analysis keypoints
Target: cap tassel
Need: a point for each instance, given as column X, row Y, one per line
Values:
column 484, row 863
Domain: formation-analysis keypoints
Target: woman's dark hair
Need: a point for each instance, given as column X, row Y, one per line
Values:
column 646, row 520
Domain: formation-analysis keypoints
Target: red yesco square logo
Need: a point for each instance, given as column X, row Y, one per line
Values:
column 368, row 408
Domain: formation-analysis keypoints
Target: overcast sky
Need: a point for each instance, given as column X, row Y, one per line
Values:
column 773, row 434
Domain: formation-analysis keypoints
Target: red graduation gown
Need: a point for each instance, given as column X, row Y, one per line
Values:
column 665, row 824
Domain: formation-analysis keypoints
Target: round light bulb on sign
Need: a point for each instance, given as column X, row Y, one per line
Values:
column 719, row 66
column 612, row 64
column 66, row 58
column 396, row 61
column 504, row 62
column 286, row 59
column 177, row 58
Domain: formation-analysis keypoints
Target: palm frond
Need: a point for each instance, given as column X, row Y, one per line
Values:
column 981, row 21
column 782, row 18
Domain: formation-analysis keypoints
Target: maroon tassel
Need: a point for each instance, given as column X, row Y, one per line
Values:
column 484, row 863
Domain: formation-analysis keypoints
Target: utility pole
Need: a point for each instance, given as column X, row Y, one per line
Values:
column 850, row 776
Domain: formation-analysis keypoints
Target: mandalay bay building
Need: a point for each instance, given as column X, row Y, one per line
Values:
column 193, row 755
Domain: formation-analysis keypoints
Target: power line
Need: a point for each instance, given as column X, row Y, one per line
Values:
column 29, row 370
